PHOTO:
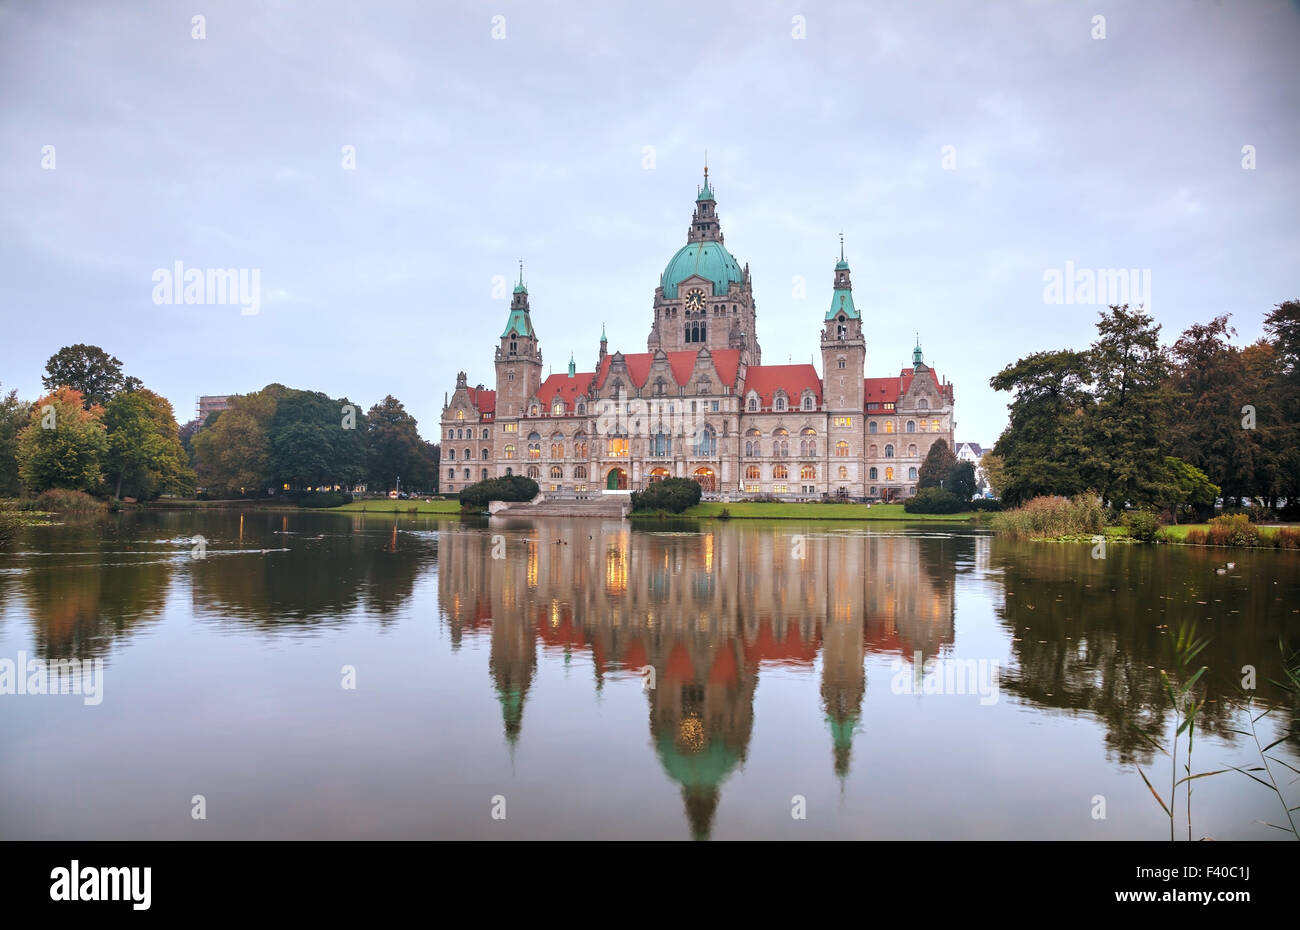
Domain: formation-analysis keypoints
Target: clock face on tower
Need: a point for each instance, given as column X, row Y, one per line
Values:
column 695, row 299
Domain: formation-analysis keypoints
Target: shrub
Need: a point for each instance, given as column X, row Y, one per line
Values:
column 1286, row 537
column 1052, row 516
column 61, row 500
column 1142, row 525
column 671, row 495
column 933, row 500
column 513, row 488
column 1196, row 537
column 985, row 505
column 325, row 499
column 1232, row 530
column 724, row 513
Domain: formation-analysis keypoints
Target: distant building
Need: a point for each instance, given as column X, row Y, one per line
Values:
column 973, row 452
column 213, row 403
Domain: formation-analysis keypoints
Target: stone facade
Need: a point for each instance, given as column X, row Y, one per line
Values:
column 699, row 404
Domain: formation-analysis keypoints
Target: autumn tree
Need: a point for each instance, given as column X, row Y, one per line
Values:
column 63, row 445
column 144, row 450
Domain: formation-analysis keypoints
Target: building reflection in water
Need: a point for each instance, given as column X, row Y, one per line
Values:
column 706, row 610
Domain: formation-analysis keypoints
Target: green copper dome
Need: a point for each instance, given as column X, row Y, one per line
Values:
column 710, row 259
column 706, row 193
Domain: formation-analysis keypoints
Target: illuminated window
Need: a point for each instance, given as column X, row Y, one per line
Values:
column 808, row 472
column 841, row 448
column 557, row 409
column 889, row 474
column 751, row 473
column 510, row 452
column 889, row 426
column 780, row 472
column 842, row 421
column 616, row 448
column 507, row 428
column 844, row 472
column 934, row 425
column 580, row 446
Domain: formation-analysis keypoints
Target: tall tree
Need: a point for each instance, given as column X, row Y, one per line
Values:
column 313, row 442
column 394, row 447
column 89, row 370
column 1044, row 449
column 1283, row 436
column 961, row 480
column 1207, row 380
column 1129, row 424
column 14, row 414
column 144, row 448
column 63, row 444
column 937, row 466
column 233, row 450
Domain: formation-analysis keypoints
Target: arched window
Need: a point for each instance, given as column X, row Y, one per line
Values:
column 911, row 426
column 807, row 402
column 911, row 474
column 556, row 472
column 534, row 446
column 841, row 448
column 751, row 473
column 467, row 474
column 780, row 472
column 889, row 450
column 753, row 405
column 484, row 475
column 661, row 444
column 911, row 450
column 706, row 443
column 872, row 473
column 534, row 471
column 844, row 472
column 582, row 410
column 923, row 404
column 510, row 453
column 485, row 455
column 557, row 408
column 808, row 472
column 780, row 402
column 485, row 432
column 451, row 455
column 580, row 471
column 451, row 434
column 871, row 427
column 509, row 471
column 557, row 446
column 781, row 442
column 532, row 411
column 808, row 444
column 934, row 425
column 580, row 446
column 889, row 426
column 458, row 434
column 469, row 454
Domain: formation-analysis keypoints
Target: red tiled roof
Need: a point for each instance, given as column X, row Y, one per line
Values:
column 568, row 388
column 725, row 361
column 793, row 379
column 880, row 390
column 484, row 400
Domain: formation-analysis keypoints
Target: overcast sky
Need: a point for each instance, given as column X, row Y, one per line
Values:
column 576, row 143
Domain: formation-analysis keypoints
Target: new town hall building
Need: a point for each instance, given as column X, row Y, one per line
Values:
column 699, row 403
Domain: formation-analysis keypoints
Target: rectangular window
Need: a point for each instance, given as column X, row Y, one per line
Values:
column 715, row 406
column 889, row 406
column 510, row 428
column 842, row 421
column 616, row 448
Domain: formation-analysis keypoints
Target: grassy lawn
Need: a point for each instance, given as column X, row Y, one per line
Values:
column 754, row 510
column 387, row 506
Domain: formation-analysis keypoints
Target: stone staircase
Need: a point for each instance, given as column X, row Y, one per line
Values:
column 614, row 505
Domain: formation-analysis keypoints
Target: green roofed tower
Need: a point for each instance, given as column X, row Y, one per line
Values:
column 519, row 356
column 704, row 298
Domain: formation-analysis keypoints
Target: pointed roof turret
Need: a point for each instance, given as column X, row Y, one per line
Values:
column 916, row 353
column 842, row 298
column 520, row 322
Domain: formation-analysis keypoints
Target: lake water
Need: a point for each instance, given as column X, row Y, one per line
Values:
column 346, row 676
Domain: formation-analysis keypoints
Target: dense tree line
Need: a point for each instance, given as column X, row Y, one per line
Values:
column 1147, row 425
column 101, row 431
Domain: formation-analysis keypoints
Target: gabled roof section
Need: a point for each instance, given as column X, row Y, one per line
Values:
column 793, row 379
column 568, row 388
column 484, row 400
column 725, row 361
